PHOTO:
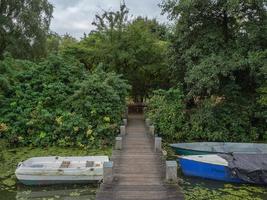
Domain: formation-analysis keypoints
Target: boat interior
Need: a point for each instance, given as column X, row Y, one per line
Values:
column 61, row 163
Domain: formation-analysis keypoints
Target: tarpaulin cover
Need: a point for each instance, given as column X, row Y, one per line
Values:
column 251, row 168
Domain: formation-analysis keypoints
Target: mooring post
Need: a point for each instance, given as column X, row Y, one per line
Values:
column 152, row 130
column 122, row 130
column 118, row 144
column 171, row 170
column 125, row 122
column 148, row 122
column 108, row 172
column 158, row 144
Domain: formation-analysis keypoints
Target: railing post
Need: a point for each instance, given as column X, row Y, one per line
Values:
column 108, row 172
column 126, row 112
column 152, row 130
column 148, row 122
column 118, row 144
column 171, row 170
column 122, row 130
column 158, row 144
column 125, row 122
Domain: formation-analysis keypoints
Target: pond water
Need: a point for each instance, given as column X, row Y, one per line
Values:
column 70, row 192
column 200, row 189
column 194, row 189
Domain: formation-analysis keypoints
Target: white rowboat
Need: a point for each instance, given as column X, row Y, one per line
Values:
column 61, row 170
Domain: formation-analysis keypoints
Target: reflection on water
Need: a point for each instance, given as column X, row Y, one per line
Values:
column 60, row 192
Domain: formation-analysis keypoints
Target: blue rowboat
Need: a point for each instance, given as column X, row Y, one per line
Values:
column 208, row 167
column 202, row 148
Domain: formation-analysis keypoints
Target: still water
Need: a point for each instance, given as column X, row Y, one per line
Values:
column 66, row 192
column 200, row 189
column 194, row 189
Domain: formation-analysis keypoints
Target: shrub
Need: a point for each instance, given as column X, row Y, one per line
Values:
column 59, row 102
column 166, row 109
column 215, row 118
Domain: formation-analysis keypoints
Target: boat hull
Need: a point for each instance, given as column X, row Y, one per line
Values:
column 204, row 148
column 207, row 171
column 189, row 152
column 53, row 180
column 61, row 170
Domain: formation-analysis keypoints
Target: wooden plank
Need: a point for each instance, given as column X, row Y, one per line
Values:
column 139, row 171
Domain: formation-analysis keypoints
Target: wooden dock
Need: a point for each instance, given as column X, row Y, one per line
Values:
column 139, row 172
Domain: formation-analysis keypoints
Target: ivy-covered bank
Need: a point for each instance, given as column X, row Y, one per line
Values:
column 226, row 119
column 59, row 102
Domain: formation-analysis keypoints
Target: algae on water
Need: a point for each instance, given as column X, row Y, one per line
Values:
column 201, row 189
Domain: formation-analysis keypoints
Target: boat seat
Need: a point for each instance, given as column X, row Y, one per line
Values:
column 65, row 164
column 89, row 163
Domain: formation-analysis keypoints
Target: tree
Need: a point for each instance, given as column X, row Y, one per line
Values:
column 24, row 26
column 212, row 40
column 111, row 21
column 218, row 54
column 137, row 49
column 56, row 43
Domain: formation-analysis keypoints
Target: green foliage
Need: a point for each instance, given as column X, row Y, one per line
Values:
column 217, row 118
column 56, row 43
column 166, row 109
column 111, row 21
column 24, row 26
column 218, row 54
column 137, row 49
column 58, row 102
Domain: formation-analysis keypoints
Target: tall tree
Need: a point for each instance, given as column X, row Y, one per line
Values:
column 110, row 21
column 24, row 26
column 218, row 53
column 214, row 39
column 135, row 48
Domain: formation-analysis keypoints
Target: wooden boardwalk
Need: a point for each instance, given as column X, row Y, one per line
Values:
column 139, row 171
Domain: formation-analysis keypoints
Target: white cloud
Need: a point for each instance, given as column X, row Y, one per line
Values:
column 75, row 16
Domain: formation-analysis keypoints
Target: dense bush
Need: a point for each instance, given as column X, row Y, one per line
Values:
column 135, row 48
column 58, row 102
column 218, row 118
column 218, row 55
column 166, row 110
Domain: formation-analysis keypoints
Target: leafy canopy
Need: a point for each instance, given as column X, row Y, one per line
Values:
column 24, row 25
column 58, row 102
column 218, row 55
column 134, row 48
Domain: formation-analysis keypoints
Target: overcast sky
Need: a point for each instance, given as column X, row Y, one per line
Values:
column 75, row 16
